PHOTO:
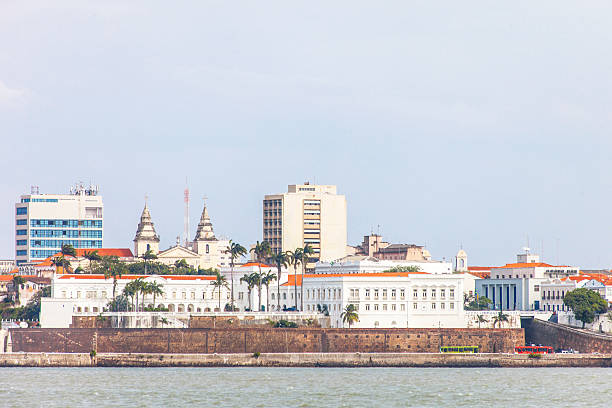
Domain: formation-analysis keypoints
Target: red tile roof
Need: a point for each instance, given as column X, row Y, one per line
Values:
column 481, row 274
column 256, row 264
column 119, row 252
column 526, row 265
column 292, row 278
column 169, row 277
column 6, row 278
column 479, row 268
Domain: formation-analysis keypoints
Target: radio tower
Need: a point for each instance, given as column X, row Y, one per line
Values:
column 186, row 220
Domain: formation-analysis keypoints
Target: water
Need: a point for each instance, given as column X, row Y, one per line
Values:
column 306, row 387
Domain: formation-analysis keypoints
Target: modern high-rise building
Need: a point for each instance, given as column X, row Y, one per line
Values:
column 306, row 214
column 45, row 222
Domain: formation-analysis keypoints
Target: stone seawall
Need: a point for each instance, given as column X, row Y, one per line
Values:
column 300, row 360
column 559, row 336
column 252, row 340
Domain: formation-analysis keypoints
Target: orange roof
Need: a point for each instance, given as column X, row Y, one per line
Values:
column 6, row 278
column 119, row 252
column 479, row 268
column 481, row 274
column 169, row 277
column 256, row 264
column 526, row 265
column 292, row 278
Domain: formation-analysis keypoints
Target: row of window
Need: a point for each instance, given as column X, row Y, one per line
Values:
column 312, row 212
column 271, row 213
column 21, row 232
column 39, row 200
column 93, row 294
column 22, row 252
column 376, row 293
column 66, row 233
column 57, row 243
column 45, row 253
column 270, row 231
column 272, row 223
column 67, row 223
column 22, row 222
column 22, row 210
column 21, row 242
column 273, row 203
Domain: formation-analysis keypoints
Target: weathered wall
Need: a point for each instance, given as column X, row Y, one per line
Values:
column 251, row 340
column 562, row 337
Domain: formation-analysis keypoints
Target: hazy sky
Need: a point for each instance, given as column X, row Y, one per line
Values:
column 446, row 123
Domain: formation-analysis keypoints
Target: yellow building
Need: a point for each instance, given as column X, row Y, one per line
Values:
column 306, row 214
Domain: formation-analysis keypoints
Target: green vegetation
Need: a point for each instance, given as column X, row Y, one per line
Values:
column 294, row 259
column 235, row 251
column 350, row 315
column 267, row 278
column 481, row 319
column 256, row 354
column 500, row 319
column 279, row 260
column 261, row 251
column 282, row 323
column 585, row 304
column 218, row 283
column 31, row 311
column 92, row 256
column 534, row 355
column 474, row 303
column 411, row 268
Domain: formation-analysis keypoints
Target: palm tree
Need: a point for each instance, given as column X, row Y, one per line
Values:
column 129, row 291
column 500, row 318
column 481, row 319
column 156, row 289
column 307, row 251
column 17, row 282
column 61, row 262
column 68, row 249
column 267, row 278
column 257, row 281
column 113, row 268
column 235, row 251
column 92, row 256
column 249, row 280
column 295, row 258
column 147, row 256
column 350, row 315
column 279, row 260
column 219, row 282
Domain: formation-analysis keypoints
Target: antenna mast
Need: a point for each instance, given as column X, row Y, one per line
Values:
column 186, row 220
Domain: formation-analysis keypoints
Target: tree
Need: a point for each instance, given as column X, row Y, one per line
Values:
column 500, row 319
column 92, row 256
column 267, row 278
column 68, row 250
column 17, row 282
column 481, row 319
column 295, row 258
column 482, row 303
column 257, row 279
column 279, row 260
column 235, row 251
column 250, row 282
column 410, row 268
column 156, row 289
column 112, row 268
column 307, row 252
column 148, row 256
column 585, row 304
column 350, row 315
column 218, row 283
column 61, row 262
column 130, row 291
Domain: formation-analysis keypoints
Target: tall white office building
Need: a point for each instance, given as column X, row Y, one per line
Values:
column 45, row 222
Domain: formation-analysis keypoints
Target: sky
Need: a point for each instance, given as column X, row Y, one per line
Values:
column 475, row 124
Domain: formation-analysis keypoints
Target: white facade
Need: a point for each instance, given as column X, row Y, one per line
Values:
column 45, row 222
column 76, row 294
column 384, row 300
column 355, row 264
column 6, row 265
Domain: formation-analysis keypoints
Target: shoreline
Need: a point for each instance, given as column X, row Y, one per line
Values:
column 479, row 360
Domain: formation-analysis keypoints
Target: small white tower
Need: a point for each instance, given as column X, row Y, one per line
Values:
column 146, row 238
column 461, row 261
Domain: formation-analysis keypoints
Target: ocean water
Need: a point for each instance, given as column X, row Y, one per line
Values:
column 306, row 387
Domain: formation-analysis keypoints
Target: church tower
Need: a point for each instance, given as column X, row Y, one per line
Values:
column 146, row 237
column 205, row 241
column 461, row 264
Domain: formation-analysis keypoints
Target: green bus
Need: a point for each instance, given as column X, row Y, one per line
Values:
column 459, row 349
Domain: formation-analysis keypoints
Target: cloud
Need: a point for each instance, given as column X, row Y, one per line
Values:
column 11, row 97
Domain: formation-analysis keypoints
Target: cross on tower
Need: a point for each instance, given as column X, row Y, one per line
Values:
column 204, row 197
column 146, row 199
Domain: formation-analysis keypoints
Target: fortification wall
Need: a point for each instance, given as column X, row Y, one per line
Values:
column 563, row 337
column 252, row 340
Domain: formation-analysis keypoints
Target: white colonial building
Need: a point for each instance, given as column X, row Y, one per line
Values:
column 76, row 294
column 354, row 264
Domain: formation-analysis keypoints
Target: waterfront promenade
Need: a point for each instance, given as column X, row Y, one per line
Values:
column 302, row 360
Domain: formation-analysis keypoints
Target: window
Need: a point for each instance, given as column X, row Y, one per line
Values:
column 424, row 293
column 415, row 306
column 451, row 293
column 22, row 232
column 384, row 306
column 22, row 222
column 442, row 293
column 442, row 305
column 415, row 293
column 536, row 288
column 367, row 294
column 375, row 294
column 384, row 294
column 22, row 242
column 103, row 294
column 193, row 295
column 433, row 306
column 367, row 307
column 22, row 210
column 78, row 294
column 184, row 295
column 452, row 306
column 376, row 306
column 22, row 252
column 393, row 306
